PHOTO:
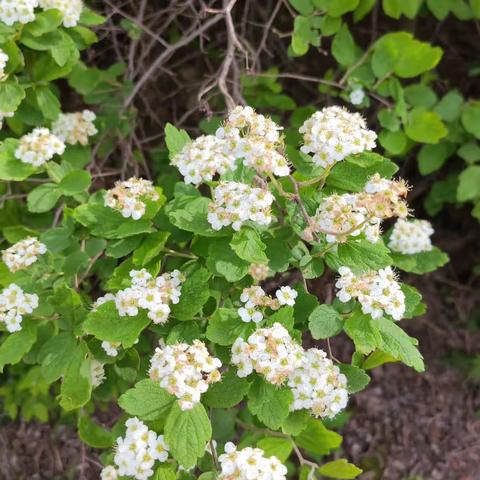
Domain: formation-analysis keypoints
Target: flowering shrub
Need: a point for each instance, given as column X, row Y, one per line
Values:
column 189, row 305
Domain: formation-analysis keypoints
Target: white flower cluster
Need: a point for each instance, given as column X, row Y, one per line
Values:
column 14, row 303
column 73, row 128
column 259, row 271
column 38, row 147
column 152, row 294
column 70, row 9
column 256, row 139
column 185, row 371
column 12, row 11
column 97, row 373
column 249, row 464
column 23, row 253
column 378, row 292
column 111, row 348
column 255, row 298
column 318, row 385
column 202, row 159
column 136, row 453
column 409, row 237
column 235, row 203
column 333, row 134
column 3, row 63
column 128, row 196
column 271, row 352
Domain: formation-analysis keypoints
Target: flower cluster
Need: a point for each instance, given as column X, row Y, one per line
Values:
column 70, row 10
column 256, row 139
column 12, row 11
column 318, row 385
column 3, row 63
column 111, row 348
column 249, row 464
column 152, row 294
column 270, row 352
column 136, row 453
column 235, row 203
column 73, row 128
column 128, row 197
column 202, row 159
column 378, row 292
column 185, row 371
column 333, row 134
column 14, row 303
column 255, row 297
column 259, row 272
column 23, row 253
column 409, row 237
column 38, row 147
column 97, row 373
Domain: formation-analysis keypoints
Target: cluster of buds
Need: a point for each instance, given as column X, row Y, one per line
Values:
column 38, row 147
column 12, row 11
column 136, row 453
column 70, row 10
column 333, row 134
column 271, row 352
column 259, row 272
column 185, row 371
column 129, row 197
column 14, row 304
column 235, row 203
column 318, row 385
column 249, row 464
column 378, row 292
column 256, row 139
column 23, row 253
column 151, row 294
column 199, row 161
column 410, row 237
column 256, row 299
column 73, row 128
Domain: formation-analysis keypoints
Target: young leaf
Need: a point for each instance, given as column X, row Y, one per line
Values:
column 325, row 322
column 340, row 468
column 93, row 434
column 317, row 439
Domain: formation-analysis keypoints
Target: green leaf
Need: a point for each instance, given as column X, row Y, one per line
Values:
column 16, row 345
column 151, row 246
column 228, row 392
column 325, row 322
column 89, row 17
column 147, row 401
column 175, row 139
column 43, row 198
column 44, row 22
column 432, row 157
column 93, row 434
column 394, row 143
column 48, row 102
column 75, row 182
column 304, row 7
column 225, row 326
column 471, row 118
column 360, row 256
column 195, row 293
column 11, row 95
column 469, row 183
column 165, row 472
column 10, row 167
column 397, row 343
column 276, row 447
column 450, row 106
column 361, row 330
column 425, row 127
column 395, row 8
column 271, row 404
column 55, row 355
column 336, row 8
column 340, row 468
column 106, row 324
column 223, row 261
column 470, row 152
column 356, row 377
column 317, row 439
column 187, row 433
column 377, row 358
column 343, row 47
column 77, row 385
column 363, row 9
column 296, row 422
column 248, row 245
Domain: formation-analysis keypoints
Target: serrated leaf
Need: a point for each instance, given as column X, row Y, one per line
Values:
column 93, row 434
column 55, row 355
column 340, row 468
column 16, row 345
column 225, row 326
column 356, row 377
column 248, row 245
column 175, row 139
column 195, row 293
column 228, row 392
column 325, row 322
column 317, row 439
column 275, row 446
column 151, row 246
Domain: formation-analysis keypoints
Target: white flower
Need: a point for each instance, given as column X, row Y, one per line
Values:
column 14, row 304
column 235, row 203
column 97, row 373
column 249, row 464
column 128, row 197
column 23, row 253
column 378, row 292
column 286, row 296
column 410, row 237
column 38, row 147
column 3, row 63
column 12, row 11
column 108, row 473
column 259, row 272
column 333, row 134
column 185, row 371
column 250, row 315
column 357, row 96
column 111, row 348
column 70, row 10
column 73, row 128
